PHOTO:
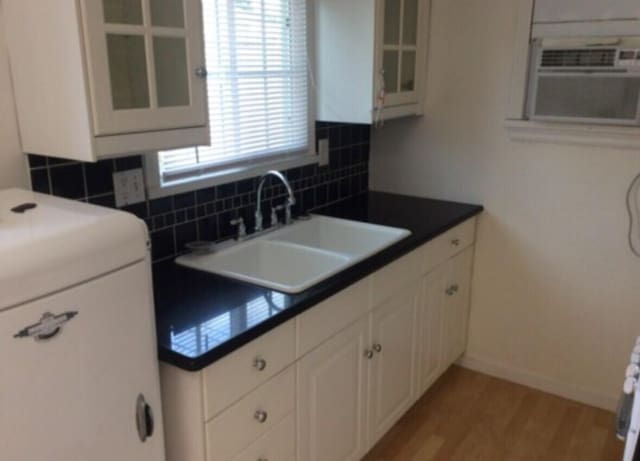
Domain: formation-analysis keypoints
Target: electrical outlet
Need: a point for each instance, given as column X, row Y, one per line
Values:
column 128, row 187
column 323, row 152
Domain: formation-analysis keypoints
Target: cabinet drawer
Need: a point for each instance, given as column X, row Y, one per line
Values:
column 278, row 443
column 239, row 426
column 448, row 244
column 329, row 317
column 235, row 375
column 388, row 280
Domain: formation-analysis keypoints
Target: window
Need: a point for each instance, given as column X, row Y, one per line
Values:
column 258, row 93
column 213, row 332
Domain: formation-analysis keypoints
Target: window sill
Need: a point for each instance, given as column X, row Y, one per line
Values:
column 559, row 133
column 225, row 176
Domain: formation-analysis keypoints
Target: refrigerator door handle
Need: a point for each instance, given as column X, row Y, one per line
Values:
column 48, row 327
column 144, row 418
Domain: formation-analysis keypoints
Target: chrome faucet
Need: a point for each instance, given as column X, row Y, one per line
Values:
column 291, row 200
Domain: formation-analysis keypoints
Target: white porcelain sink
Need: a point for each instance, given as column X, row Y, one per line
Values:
column 298, row 256
column 351, row 238
column 281, row 266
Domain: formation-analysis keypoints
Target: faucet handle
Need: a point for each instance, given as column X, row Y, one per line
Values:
column 274, row 215
column 287, row 211
column 242, row 229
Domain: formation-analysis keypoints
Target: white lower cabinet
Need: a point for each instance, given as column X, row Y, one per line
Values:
column 233, row 376
column 443, row 317
column 430, row 322
column 277, row 444
column 249, row 419
column 392, row 367
column 332, row 397
column 359, row 360
column 456, row 307
column 356, row 385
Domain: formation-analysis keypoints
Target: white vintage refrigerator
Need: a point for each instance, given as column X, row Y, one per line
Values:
column 79, row 373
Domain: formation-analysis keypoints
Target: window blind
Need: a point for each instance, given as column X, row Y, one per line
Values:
column 257, row 83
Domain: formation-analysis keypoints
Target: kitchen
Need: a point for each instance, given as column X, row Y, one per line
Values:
column 553, row 293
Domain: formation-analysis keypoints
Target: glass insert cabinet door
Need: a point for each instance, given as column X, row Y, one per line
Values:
column 400, row 48
column 145, row 63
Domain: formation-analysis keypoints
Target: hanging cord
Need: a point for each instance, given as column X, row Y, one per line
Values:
column 380, row 101
column 633, row 207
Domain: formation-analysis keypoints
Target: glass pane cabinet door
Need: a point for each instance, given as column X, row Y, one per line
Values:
column 128, row 71
column 400, row 43
column 167, row 13
column 408, row 71
column 172, row 79
column 392, row 17
column 410, row 23
column 146, row 64
column 390, row 61
column 122, row 11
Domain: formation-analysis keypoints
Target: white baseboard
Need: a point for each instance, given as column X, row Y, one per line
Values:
column 543, row 383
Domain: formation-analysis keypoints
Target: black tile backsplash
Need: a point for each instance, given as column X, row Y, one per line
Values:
column 68, row 181
column 40, row 180
column 99, row 178
column 205, row 214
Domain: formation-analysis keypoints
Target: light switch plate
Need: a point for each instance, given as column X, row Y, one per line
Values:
column 323, row 152
column 128, row 187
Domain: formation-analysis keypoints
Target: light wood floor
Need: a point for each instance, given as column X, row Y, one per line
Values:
column 468, row 416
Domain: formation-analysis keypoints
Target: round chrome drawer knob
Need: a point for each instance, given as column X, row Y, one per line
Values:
column 368, row 354
column 259, row 363
column 260, row 416
column 377, row 348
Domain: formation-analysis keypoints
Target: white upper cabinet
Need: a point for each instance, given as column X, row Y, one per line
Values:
column 145, row 59
column 107, row 77
column 370, row 59
column 585, row 10
column 397, row 44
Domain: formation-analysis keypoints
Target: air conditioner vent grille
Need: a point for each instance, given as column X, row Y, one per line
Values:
column 600, row 57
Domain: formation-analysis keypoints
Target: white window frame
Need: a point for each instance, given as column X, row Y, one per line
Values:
column 252, row 168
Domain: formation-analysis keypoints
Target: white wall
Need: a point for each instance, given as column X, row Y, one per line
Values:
column 556, row 291
column 13, row 172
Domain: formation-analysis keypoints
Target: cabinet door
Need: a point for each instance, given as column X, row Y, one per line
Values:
column 73, row 394
column 331, row 397
column 145, row 60
column 456, row 308
column 401, row 49
column 391, row 377
column 430, row 324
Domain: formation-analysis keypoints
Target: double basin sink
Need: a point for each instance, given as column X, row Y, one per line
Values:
column 297, row 256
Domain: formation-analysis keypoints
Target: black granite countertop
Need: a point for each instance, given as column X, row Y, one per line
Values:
column 202, row 317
